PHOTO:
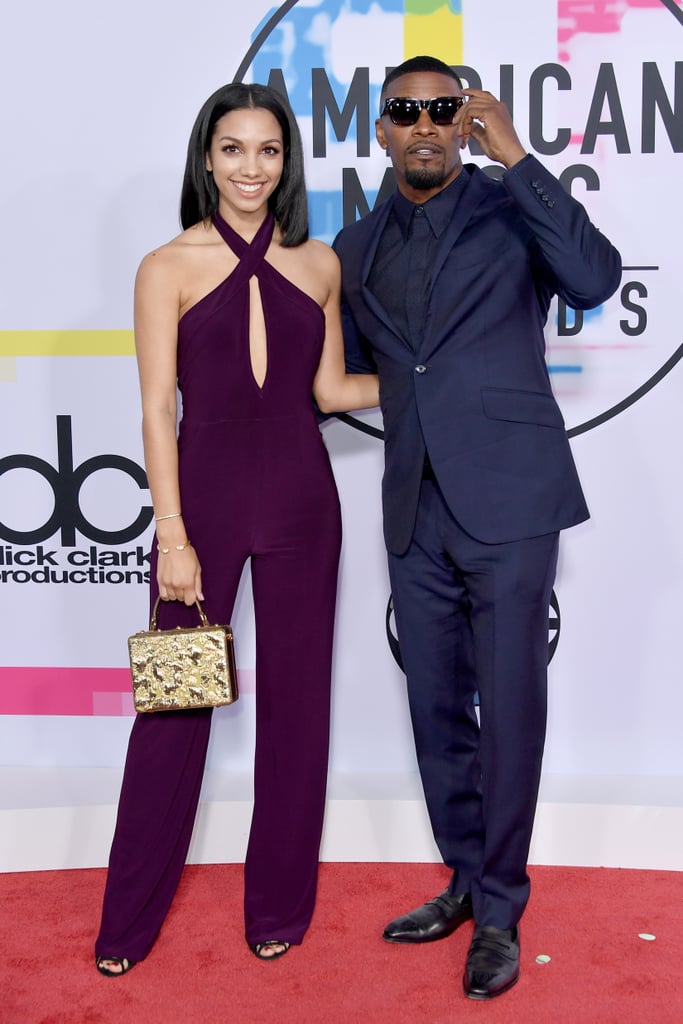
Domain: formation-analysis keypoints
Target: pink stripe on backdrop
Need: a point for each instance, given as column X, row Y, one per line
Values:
column 75, row 691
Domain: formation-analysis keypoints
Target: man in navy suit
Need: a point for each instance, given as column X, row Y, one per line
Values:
column 446, row 289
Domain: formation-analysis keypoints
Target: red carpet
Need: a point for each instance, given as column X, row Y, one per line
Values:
column 587, row 920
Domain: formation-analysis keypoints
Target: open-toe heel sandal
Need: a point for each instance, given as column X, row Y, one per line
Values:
column 122, row 961
column 270, row 950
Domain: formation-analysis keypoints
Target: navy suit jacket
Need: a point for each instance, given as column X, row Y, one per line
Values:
column 476, row 395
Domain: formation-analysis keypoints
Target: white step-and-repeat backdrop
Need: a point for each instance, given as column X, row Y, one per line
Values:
column 97, row 106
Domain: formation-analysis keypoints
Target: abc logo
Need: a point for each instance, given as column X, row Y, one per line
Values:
column 66, row 481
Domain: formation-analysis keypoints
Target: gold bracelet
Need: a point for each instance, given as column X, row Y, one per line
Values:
column 178, row 547
column 173, row 515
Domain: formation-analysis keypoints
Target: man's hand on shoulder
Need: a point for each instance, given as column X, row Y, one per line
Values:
column 488, row 121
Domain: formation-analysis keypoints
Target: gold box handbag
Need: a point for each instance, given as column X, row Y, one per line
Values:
column 179, row 668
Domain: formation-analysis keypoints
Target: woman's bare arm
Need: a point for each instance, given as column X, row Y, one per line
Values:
column 334, row 389
column 157, row 298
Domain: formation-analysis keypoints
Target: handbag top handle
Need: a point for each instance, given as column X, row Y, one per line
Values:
column 155, row 612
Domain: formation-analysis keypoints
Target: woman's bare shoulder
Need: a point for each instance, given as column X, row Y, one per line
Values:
column 312, row 266
column 320, row 251
column 320, row 260
column 180, row 252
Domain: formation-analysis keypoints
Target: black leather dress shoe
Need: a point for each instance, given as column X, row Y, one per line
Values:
column 433, row 920
column 492, row 962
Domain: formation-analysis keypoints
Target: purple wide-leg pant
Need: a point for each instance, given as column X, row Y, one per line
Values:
column 294, row 583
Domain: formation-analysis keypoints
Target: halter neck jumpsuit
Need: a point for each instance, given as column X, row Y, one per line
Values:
column 255, row 483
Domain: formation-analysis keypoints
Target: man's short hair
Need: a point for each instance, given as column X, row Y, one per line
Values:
column 414, row 64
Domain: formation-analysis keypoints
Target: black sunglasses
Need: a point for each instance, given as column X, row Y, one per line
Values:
column 405, row 110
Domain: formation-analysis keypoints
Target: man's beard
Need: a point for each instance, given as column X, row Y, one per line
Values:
column 424, row 179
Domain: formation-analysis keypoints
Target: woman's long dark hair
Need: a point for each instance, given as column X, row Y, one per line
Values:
column 199, row 196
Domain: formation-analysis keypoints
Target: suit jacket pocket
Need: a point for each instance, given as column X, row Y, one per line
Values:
column 521, row 407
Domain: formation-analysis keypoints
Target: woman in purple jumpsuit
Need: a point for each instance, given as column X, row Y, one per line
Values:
column 240, row 312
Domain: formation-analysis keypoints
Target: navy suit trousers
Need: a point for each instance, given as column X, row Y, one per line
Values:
column 473, row 617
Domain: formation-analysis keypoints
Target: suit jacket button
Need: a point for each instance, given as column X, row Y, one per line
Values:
column 420, row 369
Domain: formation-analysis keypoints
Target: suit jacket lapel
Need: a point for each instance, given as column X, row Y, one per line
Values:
column 400, row 330
column 474, row 192
column 471, row 196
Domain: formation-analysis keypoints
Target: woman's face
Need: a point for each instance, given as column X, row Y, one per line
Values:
column 246, row 158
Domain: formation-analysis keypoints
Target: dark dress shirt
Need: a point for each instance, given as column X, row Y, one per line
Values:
column 400, row 274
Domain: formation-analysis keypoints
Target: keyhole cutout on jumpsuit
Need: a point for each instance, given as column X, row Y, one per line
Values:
column 258, row 347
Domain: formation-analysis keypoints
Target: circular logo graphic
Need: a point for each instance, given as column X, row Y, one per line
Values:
column 592, row 114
